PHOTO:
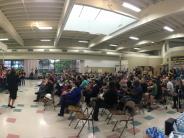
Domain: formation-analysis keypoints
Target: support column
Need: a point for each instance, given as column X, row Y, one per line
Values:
column 120, row 63
column 81, row 66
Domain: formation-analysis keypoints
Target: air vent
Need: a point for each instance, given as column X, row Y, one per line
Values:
column 14, row 50
column 46, row 50
column 30, row 50
column 64, row 50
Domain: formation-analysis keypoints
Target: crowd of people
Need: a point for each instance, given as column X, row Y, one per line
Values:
column 4, row 72
column 110, row 90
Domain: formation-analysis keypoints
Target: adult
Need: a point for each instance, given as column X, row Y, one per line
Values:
column 179, row 89
column 171, row 91
column 84, row 83
column 48, row 86
column 13, row 81
column 107, row 100
column 36, row 73
column 70, row 98
column 137, row 92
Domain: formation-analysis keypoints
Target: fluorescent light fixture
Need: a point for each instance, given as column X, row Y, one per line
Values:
column 112, row 53
column 44, row 27
column 113, row 45
column 74, row 51
column 144, row 42
column 45, row 40
column 81, row 41
column 38, row 50
column 3, row 39
column 120, row 48
column 95, row 20
column 131, row 7
column 137, row 48
column 169, row 29
column 142, row 51
column 134, row 38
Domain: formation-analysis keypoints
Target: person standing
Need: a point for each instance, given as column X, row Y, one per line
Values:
column 13, row 81
column 36, row 73
column 171, row 91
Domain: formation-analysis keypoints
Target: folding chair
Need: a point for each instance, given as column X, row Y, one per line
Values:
column 73, row 109
column 128, row 117
column 85, row 116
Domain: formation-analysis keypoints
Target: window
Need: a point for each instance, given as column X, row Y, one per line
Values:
column 17, row 64
column 57, row 66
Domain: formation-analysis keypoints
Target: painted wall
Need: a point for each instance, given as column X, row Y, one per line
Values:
column 144, row 61
column 100, row 66
column 101, row 63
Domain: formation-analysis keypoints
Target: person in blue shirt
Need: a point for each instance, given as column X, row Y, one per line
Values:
column 84, row 83
column 70, row 98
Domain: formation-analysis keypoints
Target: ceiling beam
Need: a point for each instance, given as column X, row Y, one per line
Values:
column 64, row 17
column 152, row 13
column 3, row 46
column 8, row 27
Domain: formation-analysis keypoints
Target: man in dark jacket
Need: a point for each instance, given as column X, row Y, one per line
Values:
column 71, row 98
column 108, row 100
column 46, row 88
column 13, row 81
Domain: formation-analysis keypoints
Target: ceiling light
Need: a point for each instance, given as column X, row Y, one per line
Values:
column 131, row 7
column 144, row 42
column 44, row 27
column 120, row 48
column 134, row 38
column 81, row 41
column 3, row 39
column 142, row 51
column 137, row 48
column 167, row 28
column 111, row 53
column 74, row 51
column 45, row 40
column 114, row 45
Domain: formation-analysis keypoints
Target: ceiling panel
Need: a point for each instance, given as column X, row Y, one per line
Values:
column 23, row 14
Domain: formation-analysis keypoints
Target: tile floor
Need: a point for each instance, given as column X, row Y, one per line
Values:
column 29, row 120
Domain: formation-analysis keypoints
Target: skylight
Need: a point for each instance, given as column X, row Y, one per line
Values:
column 95, row 20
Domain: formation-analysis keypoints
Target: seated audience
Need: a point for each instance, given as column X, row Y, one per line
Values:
column 46, row 87
column 70, row 98
column 106, row 100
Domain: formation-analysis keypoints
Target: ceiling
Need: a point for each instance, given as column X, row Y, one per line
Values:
column 19, row 21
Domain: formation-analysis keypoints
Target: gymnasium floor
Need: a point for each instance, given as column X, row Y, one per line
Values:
column 28, row 120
